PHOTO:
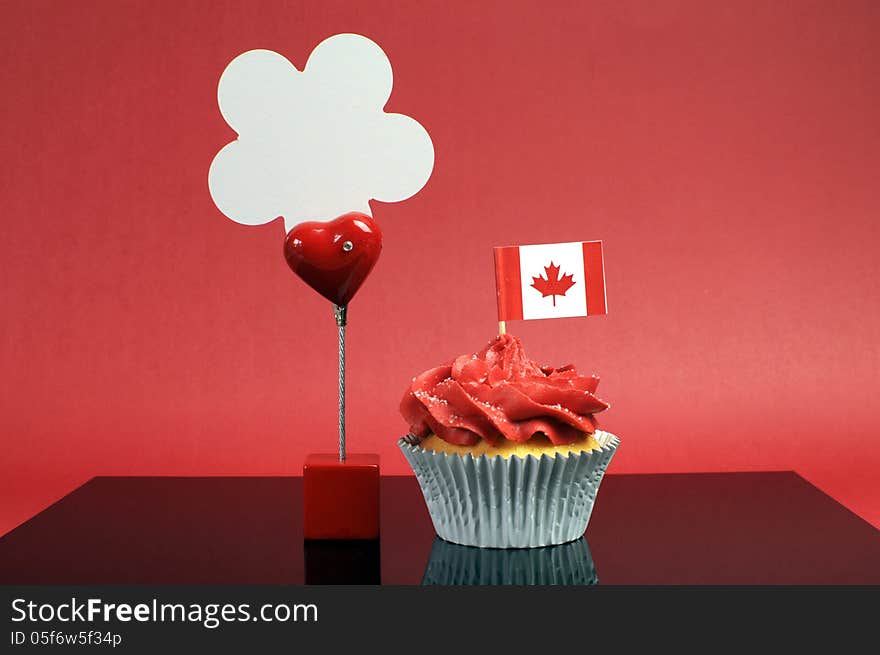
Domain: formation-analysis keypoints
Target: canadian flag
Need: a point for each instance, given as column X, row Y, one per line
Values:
column 550, row 280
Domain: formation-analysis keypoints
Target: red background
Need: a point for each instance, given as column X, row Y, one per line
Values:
column 725, row 152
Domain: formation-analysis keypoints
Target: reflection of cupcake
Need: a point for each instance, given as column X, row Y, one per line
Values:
column 567, row 564
column 506, row 452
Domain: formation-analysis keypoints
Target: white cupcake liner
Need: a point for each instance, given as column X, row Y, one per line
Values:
column 566, row 564
column 513, row 502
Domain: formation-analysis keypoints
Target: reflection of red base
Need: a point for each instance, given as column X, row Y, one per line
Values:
column 341, row 499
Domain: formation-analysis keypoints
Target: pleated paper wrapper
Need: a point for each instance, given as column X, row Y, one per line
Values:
column 513, row 502
column 566, row 564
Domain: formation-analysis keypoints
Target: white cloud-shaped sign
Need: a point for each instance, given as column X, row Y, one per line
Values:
column 314, row 144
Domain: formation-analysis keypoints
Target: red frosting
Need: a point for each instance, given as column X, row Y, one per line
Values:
column 499, row 393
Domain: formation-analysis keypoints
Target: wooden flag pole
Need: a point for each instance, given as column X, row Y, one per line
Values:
column 502, row 328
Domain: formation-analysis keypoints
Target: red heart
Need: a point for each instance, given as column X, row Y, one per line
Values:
column 334, row 258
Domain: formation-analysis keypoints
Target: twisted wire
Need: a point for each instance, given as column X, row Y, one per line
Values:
column 340, row 322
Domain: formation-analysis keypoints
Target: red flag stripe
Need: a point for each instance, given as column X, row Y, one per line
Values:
column 594, row 266
column 508, row 284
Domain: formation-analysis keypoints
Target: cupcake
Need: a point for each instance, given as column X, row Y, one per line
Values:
column 507, row 453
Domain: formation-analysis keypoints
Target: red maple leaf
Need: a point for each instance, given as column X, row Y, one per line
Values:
column 553, row 285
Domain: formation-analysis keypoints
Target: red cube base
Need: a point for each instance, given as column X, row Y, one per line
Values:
column 341, row 499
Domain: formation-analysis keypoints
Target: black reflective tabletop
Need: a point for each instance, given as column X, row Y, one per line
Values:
column 712, row 528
